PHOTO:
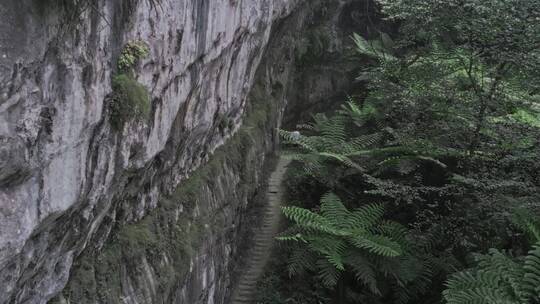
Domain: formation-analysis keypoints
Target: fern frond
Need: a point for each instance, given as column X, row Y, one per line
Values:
column 305, row 127
column 297, row 139
column 359, row 115
column 300, row 260
column 363, row 271
column 331, row 248
column 344, row 160
column 477, row 287
column 343, row 240
column 305, row 218
column 365, row 141
column 333, row 210
column 530, row 288
column 498, row 278
column 468, row 280
column 421, row 283
column 334, row 129
column 395, row 231
column 365, row 217
column 328, row 274
column 292, row 238
column 377, row 244
column 371, row 49
column 504, row 267
column 481, row 295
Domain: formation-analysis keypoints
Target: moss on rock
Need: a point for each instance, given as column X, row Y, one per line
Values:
column 130, row 100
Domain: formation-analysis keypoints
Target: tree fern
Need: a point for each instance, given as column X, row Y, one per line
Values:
column 343, row 239
column 335, row 140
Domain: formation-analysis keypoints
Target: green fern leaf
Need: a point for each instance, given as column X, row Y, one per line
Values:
column 365, row 217
column 377, row 244
column 328, row 274
column 531, row 280
column 308, row 219
column 333, row 210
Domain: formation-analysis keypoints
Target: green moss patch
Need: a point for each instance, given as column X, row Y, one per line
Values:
column 130, row 100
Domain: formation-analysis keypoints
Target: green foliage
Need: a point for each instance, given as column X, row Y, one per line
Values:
column 455, row 93
column 378, row 49
column 336, row 241
column 303, row 289
column 499, row 278
column 133, row 52
column 529, row 117
column 335, row 221
column 130, row 100
column 447, row 137
column 472, row 60
column 329, row 142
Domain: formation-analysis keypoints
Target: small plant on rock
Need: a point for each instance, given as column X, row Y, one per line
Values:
column 131, row 54
column 130, row 99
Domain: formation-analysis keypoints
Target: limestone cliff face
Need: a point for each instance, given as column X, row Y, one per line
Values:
column 92, row 214
column 63, row 170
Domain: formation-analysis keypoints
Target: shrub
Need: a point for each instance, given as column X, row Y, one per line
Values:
column 133, row 51
column 130, row 100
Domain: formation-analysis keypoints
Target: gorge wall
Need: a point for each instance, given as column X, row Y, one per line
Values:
column 159, row 210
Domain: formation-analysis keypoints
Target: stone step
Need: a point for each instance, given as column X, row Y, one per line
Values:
column 247, row 285
column 264, row 238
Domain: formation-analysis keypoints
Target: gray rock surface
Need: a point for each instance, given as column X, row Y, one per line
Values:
column 90, row 214
column 63, row 158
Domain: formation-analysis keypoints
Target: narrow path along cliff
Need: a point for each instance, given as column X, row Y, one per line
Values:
column 264, row 237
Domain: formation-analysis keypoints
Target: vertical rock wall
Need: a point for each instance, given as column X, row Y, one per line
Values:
column 64, row 172
column 120, row 216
